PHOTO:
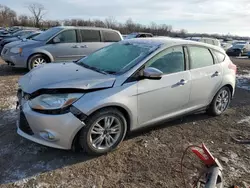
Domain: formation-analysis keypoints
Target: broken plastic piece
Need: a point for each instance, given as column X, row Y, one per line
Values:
column 204, row 155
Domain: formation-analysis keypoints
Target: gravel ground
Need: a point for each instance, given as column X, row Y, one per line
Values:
column 148, row 158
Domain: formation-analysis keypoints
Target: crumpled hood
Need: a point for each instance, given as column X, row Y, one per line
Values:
column 64, row 76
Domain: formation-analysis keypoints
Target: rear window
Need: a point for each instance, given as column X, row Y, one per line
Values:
column 219, row 56
column 110, row 36
column 90, row 35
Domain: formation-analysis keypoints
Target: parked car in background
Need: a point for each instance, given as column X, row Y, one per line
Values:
column 3, row 32
column 226, row 45
column 95, row 101
column 139, row 35
column 240, row 48
column 28, row 35
column 59, row 44
column 211, row 41
column 16, row 34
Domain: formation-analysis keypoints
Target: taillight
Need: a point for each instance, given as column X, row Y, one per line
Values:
column 233, row 67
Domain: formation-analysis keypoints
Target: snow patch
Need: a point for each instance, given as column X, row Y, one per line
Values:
column 238, row 166
column 245, row 120
column 243, row 80
column 10, row 113
column 21, row 183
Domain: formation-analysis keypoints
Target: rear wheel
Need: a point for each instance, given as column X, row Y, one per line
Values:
column 37, row 60
column 104, row 130
column 220, row 102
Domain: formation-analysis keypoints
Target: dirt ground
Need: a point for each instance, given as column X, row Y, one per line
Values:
column 148, row 158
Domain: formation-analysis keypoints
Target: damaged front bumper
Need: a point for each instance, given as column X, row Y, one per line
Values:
column 57, row 131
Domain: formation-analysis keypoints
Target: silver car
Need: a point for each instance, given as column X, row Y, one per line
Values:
column 126, row 86
column 58, row 44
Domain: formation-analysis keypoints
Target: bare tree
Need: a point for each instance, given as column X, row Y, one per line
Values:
column 7, row 16
column 38, row 11
column 110, row 22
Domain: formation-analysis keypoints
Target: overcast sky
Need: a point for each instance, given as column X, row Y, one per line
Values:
column 209, row 16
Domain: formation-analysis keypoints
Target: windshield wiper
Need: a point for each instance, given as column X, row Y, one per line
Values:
column 93, row 68
column 111, row 72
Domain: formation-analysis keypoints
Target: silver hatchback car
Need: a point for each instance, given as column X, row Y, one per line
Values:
column 95, row 101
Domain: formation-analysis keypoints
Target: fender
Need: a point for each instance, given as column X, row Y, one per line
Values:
column 41, row 51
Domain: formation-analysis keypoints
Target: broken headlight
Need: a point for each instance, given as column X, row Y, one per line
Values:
column 53, row 101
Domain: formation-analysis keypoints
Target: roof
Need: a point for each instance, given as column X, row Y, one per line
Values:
column 167, row 42
column 141, row 33
column 84, row 27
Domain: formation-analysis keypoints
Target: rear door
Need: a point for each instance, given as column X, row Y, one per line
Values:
column 67, row 49
column 90, row 41
column 206, row 76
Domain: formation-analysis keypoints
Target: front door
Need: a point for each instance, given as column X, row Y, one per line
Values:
column 169, row 96
column 206, row 76
column 66, row 48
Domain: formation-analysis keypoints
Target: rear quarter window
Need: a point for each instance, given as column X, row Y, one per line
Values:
column 220, row 57
column 110, row 36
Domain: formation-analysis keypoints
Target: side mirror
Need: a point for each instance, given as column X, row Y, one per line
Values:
column 152, row 73
column 56, row 40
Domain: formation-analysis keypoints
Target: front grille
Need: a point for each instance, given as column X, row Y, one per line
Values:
column 24, row 125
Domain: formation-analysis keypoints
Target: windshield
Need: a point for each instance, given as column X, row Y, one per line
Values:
column 239, row 43
column 21, row 33
column 118, row 57
column 46, row 35
column 131, row 36
column 27, row 36
column 239, row 46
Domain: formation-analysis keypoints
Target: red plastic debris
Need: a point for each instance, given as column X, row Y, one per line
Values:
column 204, row 155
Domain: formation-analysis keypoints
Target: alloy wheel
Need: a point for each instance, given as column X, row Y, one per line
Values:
column 222, row 101
column 105, row 132
column 38, row 61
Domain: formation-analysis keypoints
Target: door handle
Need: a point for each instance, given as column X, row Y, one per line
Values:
column 84, row 46
column 76, row 46
column 182, row 82
column 216, row 73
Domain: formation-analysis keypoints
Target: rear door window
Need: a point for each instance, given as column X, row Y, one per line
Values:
column 200, row 57
column 148, row 35
column 110, row 36
column 90, row 35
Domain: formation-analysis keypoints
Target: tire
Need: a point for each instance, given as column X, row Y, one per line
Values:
column 35, row 60
column 214, row 107
column 88, row 135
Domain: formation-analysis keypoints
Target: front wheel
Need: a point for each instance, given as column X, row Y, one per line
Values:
column 220, row 102
column 36, row 60
column 104, row 131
